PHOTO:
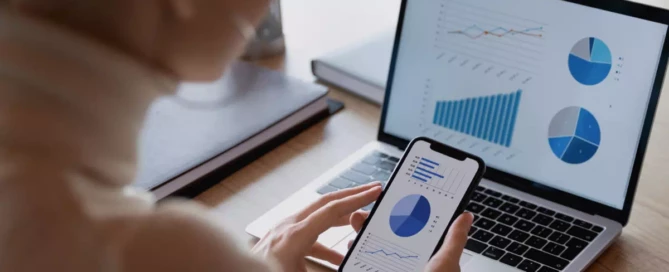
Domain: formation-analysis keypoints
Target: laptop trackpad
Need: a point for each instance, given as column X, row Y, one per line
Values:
column 465, row 258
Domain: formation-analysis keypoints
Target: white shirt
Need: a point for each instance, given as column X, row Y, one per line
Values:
column 70, row 114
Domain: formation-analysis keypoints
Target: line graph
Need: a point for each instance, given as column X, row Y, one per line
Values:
column 391, row 253
column 496, row 40
column 380, row 254
column 475, row 32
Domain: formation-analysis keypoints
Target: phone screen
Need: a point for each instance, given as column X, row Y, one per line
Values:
column 414, row 212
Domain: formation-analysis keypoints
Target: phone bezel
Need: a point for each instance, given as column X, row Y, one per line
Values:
column 443, row 149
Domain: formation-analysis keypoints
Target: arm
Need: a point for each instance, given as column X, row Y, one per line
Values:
column 180, row 237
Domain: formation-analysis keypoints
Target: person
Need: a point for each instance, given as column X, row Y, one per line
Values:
column 76, row 78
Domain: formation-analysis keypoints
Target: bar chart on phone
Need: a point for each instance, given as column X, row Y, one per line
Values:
column 440, row 177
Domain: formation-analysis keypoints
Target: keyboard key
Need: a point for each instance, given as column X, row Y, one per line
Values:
column 475, row 207
column 524, row 225
column 364, row 169
column 518, row 236
column 506, row 197
column 582, row 224
column 511, row 259
column 493, row 253
column 379, row 154
column 542, row 219
column 484, row 224
column 528, row 205
column 389, row 166
column 491, row 213
column 509, row 208
column 480, row 188
column 582, row 233
column 478, row 197
column 559, row 238
column 492, row 202
column 574, row 247
column 554, row 248
column 393, row 159
column 564, row 217
column 547, row 269
column 475, row 246
column 342, row 183
column 536, row 242
column 546, row 259
column 597, row 229
column 517, row 248
column 525, row 213
column 381, row 175
column 356, row 177
column 529, row 266
column 482, row 236
column 546, row 211
column 541, row 231
column 371, row 159
column 500, row 242
column 559, row 225
column 501, row 229
column 472, row 230
column 513, row 200
column 493, row 193
column 507, row 219
column 327, row 189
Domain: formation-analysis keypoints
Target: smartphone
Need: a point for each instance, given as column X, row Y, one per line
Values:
column 428, row 190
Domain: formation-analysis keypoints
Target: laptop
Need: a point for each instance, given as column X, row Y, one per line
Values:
column 558, row 97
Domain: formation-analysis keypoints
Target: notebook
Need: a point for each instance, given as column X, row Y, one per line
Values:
column 361, row 69
column 214, row 125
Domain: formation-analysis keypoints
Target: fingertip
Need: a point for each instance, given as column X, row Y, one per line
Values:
column 375, row 189
column 468, row 217
column 464, row 221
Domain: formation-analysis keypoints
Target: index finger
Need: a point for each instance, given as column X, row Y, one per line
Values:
column 327, row 216
column 324, row 200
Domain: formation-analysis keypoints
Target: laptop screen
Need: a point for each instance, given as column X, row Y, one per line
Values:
column 551, row 91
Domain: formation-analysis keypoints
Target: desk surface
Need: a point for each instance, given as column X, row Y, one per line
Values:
column 239, row 199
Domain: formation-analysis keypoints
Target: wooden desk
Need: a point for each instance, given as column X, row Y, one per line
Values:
column 311, row 31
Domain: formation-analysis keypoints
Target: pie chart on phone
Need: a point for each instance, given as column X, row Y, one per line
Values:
column 410, row 215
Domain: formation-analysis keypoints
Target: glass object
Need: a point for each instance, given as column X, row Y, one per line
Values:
column 269, row 40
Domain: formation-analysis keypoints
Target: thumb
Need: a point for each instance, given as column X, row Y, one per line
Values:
column 448, row 257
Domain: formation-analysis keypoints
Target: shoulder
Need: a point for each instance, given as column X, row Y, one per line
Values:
column 181, row 237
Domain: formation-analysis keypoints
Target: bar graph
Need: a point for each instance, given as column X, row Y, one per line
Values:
column 431, row 173
column 490, row 118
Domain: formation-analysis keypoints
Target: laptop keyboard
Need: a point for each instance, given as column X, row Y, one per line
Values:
column 374, row 167
column 524, row 235
column 507, row 229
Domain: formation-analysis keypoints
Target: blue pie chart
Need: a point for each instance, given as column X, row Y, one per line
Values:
column 590, row 61
column 574, row 135
column 410, row 215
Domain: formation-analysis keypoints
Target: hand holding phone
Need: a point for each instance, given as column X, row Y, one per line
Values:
column 426, row 193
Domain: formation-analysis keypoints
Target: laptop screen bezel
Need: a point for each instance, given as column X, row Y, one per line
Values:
column 632, row 9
